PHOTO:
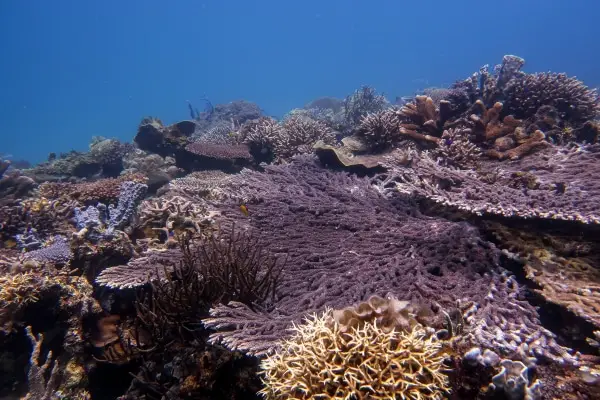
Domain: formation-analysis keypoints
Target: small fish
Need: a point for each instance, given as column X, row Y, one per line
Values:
column 10, row 244
column 244, row 209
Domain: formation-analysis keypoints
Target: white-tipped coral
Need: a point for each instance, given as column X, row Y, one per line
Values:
column 321, row 360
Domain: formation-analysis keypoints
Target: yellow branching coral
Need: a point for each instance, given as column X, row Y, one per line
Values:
column 320, row 361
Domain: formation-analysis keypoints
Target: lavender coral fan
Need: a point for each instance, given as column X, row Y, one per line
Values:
column 346, row 242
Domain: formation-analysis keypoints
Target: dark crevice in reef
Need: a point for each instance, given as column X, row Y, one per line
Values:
column 570, row 329
column 108, row 381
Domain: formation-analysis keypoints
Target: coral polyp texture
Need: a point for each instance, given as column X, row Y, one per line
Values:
column 346, row 242
column 557, row 183
column 320, row 360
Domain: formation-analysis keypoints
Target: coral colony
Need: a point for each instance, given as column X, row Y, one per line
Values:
column 447, row 247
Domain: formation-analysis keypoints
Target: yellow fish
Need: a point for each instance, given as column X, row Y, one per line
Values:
column 244, row 209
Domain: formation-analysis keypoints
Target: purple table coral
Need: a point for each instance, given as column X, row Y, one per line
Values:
column 345, row 242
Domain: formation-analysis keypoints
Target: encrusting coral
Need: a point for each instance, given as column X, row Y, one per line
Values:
column 326, row 359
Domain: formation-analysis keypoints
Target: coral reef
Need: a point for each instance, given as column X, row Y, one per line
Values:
column 346, row 242
column 96, row 222
column 460, row 260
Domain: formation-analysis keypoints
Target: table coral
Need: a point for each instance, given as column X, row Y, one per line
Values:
column 346, row 242
column 563, row 184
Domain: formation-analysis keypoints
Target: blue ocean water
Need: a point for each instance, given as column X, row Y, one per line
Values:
column 71, row 70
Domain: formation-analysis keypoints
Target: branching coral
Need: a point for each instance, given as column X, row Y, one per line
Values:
column 231, row 265
column 380, row 130
column 172, row 216
column 261, row 135
column 39, row 387
column 298, row 135
column 455, row 149
column 199, row 185
column 320, row 360
column 156, row 263
column 98, row 222
column 362, row 102
column 346, row 242
column 573, row 100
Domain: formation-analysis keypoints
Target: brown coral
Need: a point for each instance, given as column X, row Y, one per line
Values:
column 423, row 120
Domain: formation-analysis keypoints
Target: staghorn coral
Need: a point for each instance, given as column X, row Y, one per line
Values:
column 567, row 188
column 298, row 135
column 573, row 101
column 363, row 101
column 346, row 242
column 320, row 360
column 380, row 130
column 260, row 135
